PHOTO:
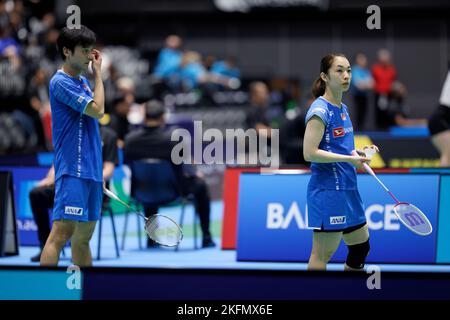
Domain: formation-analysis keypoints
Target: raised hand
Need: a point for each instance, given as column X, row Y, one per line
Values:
column 96, row 61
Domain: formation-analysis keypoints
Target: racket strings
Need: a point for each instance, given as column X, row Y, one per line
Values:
column 413, row 218
column 163, row 230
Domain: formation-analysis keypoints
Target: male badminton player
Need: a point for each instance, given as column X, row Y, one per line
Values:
column 335, row 208
column 78, row 149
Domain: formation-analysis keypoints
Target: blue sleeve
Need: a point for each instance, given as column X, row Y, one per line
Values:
column 317, row 110
column 235, row 73
column 161, row 64
column 198, row 72
column 218, row 67
column 73, row 96
column 356, row 75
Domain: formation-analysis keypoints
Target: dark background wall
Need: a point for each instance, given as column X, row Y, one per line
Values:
column 290, row 42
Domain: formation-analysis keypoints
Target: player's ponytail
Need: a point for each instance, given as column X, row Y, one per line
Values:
column 319, row 86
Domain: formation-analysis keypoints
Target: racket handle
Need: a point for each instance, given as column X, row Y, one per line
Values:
column 112, row 195
column 368, row 169
column 365, row 165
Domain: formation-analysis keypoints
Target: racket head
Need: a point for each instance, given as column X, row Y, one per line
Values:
column 163, row 230
column 413, row 218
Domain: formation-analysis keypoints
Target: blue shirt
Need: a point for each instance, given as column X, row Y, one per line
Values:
column 7, row 42
column 338, row 138
column 360, row 75
column 76, row 136
column 220, row 67
column 191, row 74
column 169, row 61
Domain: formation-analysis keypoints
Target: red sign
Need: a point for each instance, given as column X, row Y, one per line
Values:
column 338, row 132
column 230, row 202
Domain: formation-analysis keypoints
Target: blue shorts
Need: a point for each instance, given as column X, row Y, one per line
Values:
column 77, row 199
column 334, row 210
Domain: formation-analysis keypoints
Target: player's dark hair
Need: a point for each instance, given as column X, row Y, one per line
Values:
column 70, row 38
column 319, row 86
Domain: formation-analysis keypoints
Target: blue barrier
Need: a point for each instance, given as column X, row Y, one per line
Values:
column 38, row 284
column 272, row 222
column 443, row 244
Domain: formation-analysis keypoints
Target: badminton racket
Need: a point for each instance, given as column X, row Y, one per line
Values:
column 160, row 228
column 408, row 214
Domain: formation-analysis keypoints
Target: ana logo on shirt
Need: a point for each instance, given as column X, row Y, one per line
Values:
column 337, row 220
column 76, row 211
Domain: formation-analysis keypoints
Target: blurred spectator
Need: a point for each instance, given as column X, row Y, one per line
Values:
column 192, row 73
column 136, row 114
column 153, row 141
column 119, row 118
column 39, row 109
column 167, row 66
column 33, row 51
column 27, row 48
column 125, row 85
column 292, row 132
column 41, row 49
column 169, row 59
column 398, row 112
column 224, row 74
column 361, row 85
column 208, row 62
column 257, row 117
column 12, row 136
column 8, row 45
column 18, row 30
column 384, row 75
column 226, row 68
column 390, row 95
column 40, row 8
column 12, row 73
column 50, row 59
column 286, row 93
column 41, row 27
column 50, row 45
column 4, row 18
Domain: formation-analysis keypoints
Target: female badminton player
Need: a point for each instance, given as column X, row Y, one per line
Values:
column 439, row 124
column 335, row 208
column 78, row 147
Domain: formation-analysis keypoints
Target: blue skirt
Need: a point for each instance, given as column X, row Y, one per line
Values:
column 334, row 210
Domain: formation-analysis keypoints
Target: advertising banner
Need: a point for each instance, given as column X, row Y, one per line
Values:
column 273, row 218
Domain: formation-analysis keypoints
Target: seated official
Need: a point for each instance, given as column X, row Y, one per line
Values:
column 153, row 141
